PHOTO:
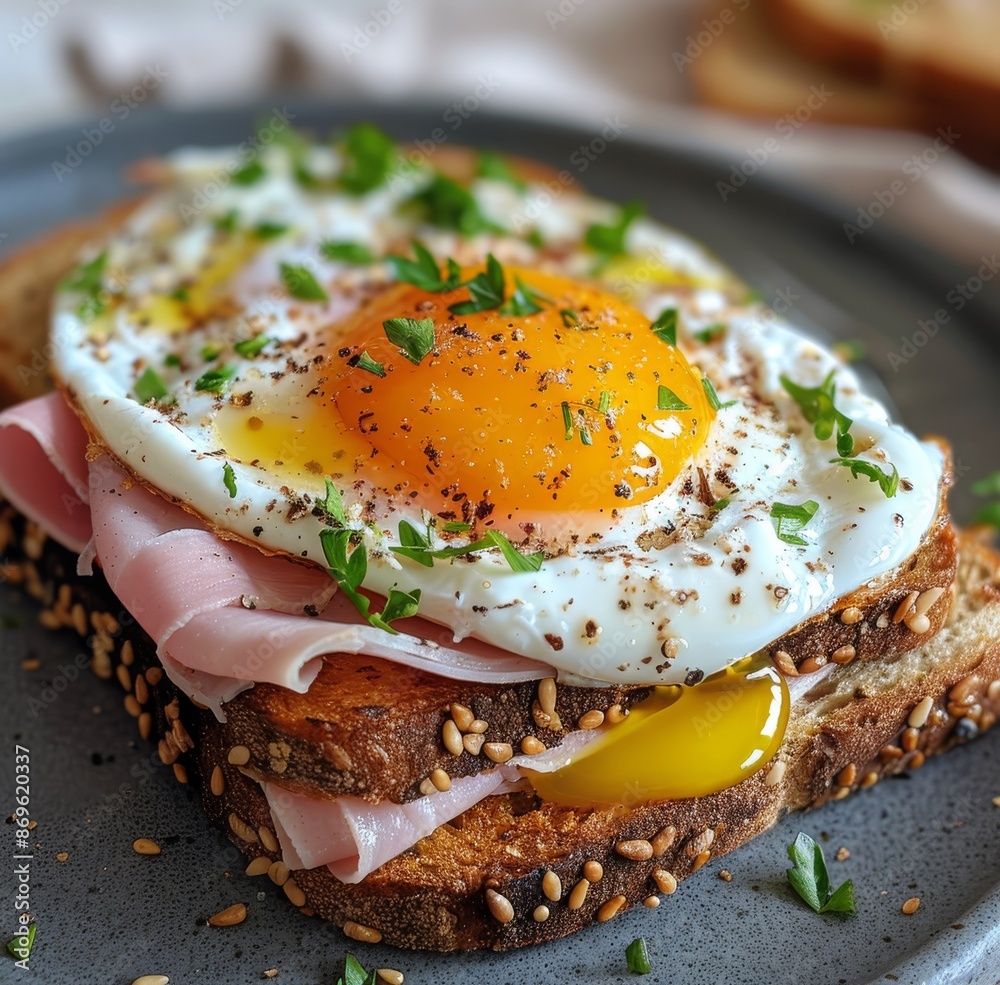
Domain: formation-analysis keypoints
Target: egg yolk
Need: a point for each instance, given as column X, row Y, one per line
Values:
column 680, row 742
column 578, row 406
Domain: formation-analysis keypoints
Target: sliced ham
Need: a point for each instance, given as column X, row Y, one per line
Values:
column 353, row 837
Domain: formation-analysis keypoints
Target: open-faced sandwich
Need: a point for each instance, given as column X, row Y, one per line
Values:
column 488, row 555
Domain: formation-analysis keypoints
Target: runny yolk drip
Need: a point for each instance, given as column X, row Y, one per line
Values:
column 552, row 411
column 680, row 742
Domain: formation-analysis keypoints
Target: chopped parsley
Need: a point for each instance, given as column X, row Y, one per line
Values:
column 226, row 223
column 457, row 527
column 888, row 482
column 346, row 252
column 816, row 404
column 580, row 424
column 229, row 480
column 990, row 513
column 637, row 957
column 448, row 205
column 211, row 351
column 569, row 318
column 665, row 327
column 790, row 519
column 609, row 239
column 415, row 337
column 495, row 167
column 712, row 332
column 248, row 348
column 365, row 362
column 301, row 284
column 811, row 880
column 348, row 565
column 370, row 154
column 713, row 397
column 250, row 174
column 19, row 950
column 180, row 294
column 424, row 272
column 270, row 230
column 215, row 380
column 604, row 402
column 524, row 300
column 171, row 359
column 486, row 290
column 668, row 400
column 355, row 974
column 417, row 547
column 332, row 505
column 88, row 280
column 150, row 386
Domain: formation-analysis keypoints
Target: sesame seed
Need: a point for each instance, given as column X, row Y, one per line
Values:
column 547, row 695
column 499, row 906
column 652, row 902
column 905, row 607
column 843, row 654
column 531, row 746
column 499, row 752
column 847, row 775
column 462, row 716
column 917, row 624
column 664, row 839
column 239, row 756
column 911, row 905
column 258, row 866
column 591, row 719
column 390, row 976
column 579, row 894
column 926, row 600
column 665, row 881
column 452, row 738
column 295, row 895
column 918, row 717
column 552, row 886
column 144, row 846
column 267, row 838
column 230, row 916
column 636, row 849
column 441, row 780
column 609, row 909
column 784, row 662
column 593, row 871
column 218, row 782
column 850, row 615
column 540, row 914
column 725, row 875
column 473, row 743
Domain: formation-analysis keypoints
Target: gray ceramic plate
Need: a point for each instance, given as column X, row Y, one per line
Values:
column 106, row 915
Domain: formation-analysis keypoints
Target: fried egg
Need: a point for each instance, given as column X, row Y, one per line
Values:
column 606, row 459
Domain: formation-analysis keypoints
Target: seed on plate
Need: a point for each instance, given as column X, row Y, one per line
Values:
column 278, row 873
column 652, row 902
column 911, row 905
column 870, row 779
column 258, row 866
column 725, row 875
column 905, row 607
column 145, row 724
column 540, row 914
column 919, row 715
column 993, row 691
column 532, row 746
column 124, row 677
column 499, row 752
column 499, row 906
column 294, row 894
column 591, row 719
column 180, row 773
column 925, row 601
column 918, row 759
column 811, row 664
column 427, row 788
column 462, row 716
column 127, row 653
column 478, row 726
column 843, row 654
column 593, row 871
column 132, row 706
column 267, row 838
column 441, row 780
column 909, row 739
column 359, row 932
column 152, row 980
column 241, row 829
column 917, row 624
column 141, row 689
column 452, row 738
column 637, row 849
column 784, row 662
column 390, row 976
column 144, row 846
column 664, row 839
column 473, row 743
column 700, row 842
column 616, row 714
column 850, row 615
column 665, row 881
column 552, row 886
column 218, row 782
column 847, row 775
column 579, row 894
column 230, row 916
column 547, row 695
column 702, row 858
column 239, row 756
column 154, row 675
column 79, row 616
column 609, row 909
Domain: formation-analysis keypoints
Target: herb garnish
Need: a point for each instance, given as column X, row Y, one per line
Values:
column 150, row 386
column 23, row 951
column 849, row 350
column 424, row 272
column 888, row 482
column 229, row 480
column 790, row 519
column 210, row 351
column 365, row 362
column 369, row 155
column 415, row 337
column 88, row 280
column 348, row 566
column 712, row 332
column 226, row 223
column 713, row 397
column 332, row 505
column 450, row 206
column 248, row 348
column 581, row 424
column 486, row 290
column 524, row 300
column 668, row 400
column 665, row 327
column 171, row 359
column 637, row 957
column 418, row 547
column 215, row 380
column 811, row 880
column 990, row 513
column 495, row 167
column 355, row 974
column 301, row 284
column 269, row 230
column 610, row 239
column 816, row 404
column 346, row 252
column 250, row 174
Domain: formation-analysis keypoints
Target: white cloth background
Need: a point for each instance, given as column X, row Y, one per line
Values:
column 571, row 59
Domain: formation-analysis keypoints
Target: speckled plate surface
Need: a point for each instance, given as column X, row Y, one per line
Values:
column 106, row 915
